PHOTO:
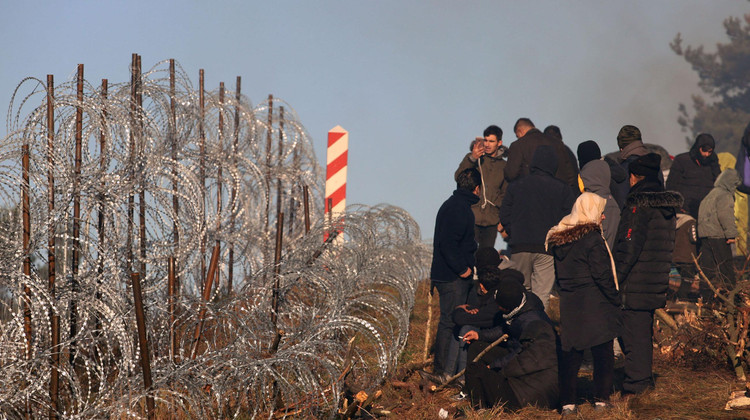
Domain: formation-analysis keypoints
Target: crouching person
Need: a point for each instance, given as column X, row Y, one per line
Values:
column 523, row 370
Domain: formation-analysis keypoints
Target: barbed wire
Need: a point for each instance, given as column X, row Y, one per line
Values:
column 160, row 178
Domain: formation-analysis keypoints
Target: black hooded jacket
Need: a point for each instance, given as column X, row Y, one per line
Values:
column 535, row 203
column 742, row 165
column 692, row 175
column 644, row 245
column 521, row 156
column 453, row 245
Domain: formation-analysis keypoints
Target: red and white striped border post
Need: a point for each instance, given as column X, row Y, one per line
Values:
column 338, row 150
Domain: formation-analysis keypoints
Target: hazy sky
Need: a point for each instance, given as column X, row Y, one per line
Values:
column 412, row 81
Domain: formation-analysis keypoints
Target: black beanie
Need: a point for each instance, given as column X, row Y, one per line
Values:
column 588, row 151
column 705, row 140
column 647, row 165
column 628, row 134
column 509, row 294
column 487, row 256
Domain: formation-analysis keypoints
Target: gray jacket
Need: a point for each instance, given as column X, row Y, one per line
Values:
column 716, row 212
column 492, row 191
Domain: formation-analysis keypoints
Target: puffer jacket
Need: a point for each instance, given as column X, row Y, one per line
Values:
column 644, row 245
column 596, row 177
column 487, row 210
column 716, row 213
column 589, row 302
column 693, row 176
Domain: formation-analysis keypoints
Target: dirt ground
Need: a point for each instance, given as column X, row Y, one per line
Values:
column 684, row 390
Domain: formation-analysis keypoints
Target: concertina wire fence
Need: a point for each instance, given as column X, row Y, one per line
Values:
column 213, row 174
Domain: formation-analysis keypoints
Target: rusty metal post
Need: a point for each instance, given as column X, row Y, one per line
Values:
column 131, row 197
column 142, row 194
column 235, row 146
column 26, row 238
column 219, row 175
column 202, row 167
column 277, row 270
column 269, row 134
column 172, row 285
column 214, row 264
column 175, row 175
column 54, row 385
column 76, row 254
column 279, row 163
column 140, row 319
column 100, row 199
column 306, row 198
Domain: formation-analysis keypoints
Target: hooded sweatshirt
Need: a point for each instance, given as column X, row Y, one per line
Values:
column 716, row 214
column 743, row 162
column 596, row 177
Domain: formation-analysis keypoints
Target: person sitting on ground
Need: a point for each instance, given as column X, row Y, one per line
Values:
column 523, row 370
column 589, row 301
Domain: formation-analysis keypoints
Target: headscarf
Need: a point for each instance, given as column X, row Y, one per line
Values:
column 588, row 208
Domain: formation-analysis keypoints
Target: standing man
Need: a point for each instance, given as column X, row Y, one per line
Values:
column 522, row 150
column 452, row 263
column 532, row 205
column 643, row 257
column 631, row 148
column 487, row 157
column 693, row 173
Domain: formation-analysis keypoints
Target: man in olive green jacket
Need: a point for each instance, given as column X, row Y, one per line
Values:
column 487, row 156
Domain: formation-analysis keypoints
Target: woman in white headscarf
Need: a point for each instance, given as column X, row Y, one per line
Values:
column 589, row 301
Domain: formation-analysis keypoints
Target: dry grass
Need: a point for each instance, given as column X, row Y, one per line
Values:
column 683, row 391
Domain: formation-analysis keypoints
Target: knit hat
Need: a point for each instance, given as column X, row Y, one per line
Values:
column 705, row 140
column 647, row 165
column 628, row 134
column 509, row 294
column 588, row 151
column 487, row 256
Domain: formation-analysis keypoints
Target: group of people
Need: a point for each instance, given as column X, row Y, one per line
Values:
column 600, row 231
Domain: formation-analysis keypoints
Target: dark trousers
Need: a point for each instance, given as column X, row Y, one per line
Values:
column 487, row 387
column 604, row 372
column 485, row 236
column 716, row 261
column 637, row 346
column 451, row 294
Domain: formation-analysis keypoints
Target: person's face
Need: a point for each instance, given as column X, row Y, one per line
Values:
column 705, row 151
column 491, row 144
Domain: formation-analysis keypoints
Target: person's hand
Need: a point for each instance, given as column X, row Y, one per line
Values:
column 471, row 336
column 731, row 241
column 466, row 273
column 478, row 150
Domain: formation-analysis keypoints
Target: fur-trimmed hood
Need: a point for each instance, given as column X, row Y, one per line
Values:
column 573, row 234
column 655, row 199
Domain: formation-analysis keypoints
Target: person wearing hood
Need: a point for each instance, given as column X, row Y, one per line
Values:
column 532, row 205
column 643, row 258
column 717, row 229
column 595, row 176
column 453, row 262
column 742, row 166
column 693, row 173
column 589, row 302
column 631, row 148
column 521, row 154
column 487, row 156
column 522, row 370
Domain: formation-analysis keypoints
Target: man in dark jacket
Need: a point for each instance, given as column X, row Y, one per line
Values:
column 643, row 257
column 523, row 370
column 631, row 148
column 693, row 173
column 532, row 205
column 453, row 262
column 521, row 152
column 487, row 156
